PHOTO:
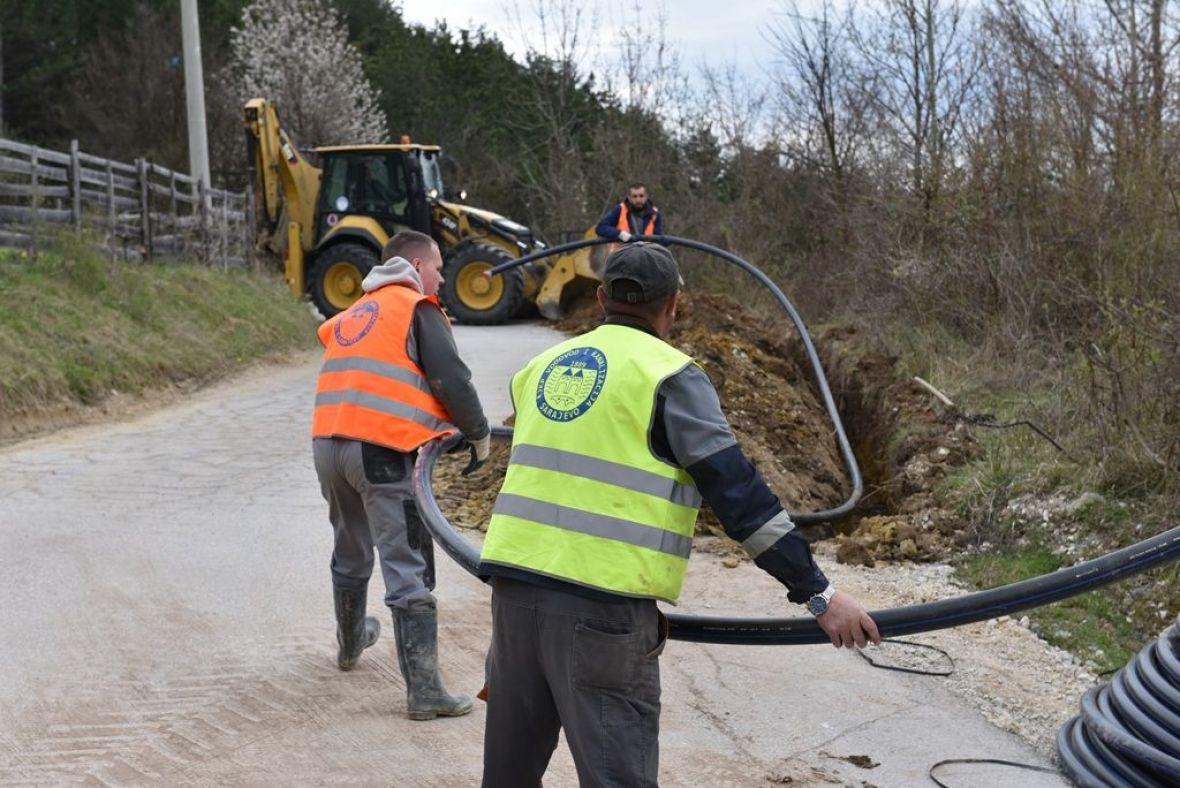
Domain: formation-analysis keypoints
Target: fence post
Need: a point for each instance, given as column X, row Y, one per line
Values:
column 203, row 220
column 112, row 221
column 225, row 231
column 174, row 217
column 145, row 208
column 34, row 161
column 75, row 186
column 248, row 226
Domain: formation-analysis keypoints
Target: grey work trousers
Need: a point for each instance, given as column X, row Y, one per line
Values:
column 561, row 660
column 369, row 490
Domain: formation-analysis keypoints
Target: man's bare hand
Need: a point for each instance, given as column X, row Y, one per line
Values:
column 847, row 623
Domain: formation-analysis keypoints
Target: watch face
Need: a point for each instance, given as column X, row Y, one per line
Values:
column 817, row 605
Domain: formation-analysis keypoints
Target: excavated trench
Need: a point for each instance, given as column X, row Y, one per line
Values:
column 903, row 444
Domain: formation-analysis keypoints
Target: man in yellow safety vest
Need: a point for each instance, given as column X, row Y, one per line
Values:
column 619, row 436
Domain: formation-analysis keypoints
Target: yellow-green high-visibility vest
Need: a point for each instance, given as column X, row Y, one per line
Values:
column 585, row 500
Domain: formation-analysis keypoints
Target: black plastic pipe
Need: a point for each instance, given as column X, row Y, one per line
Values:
column 821, row 380
column 978, row 606
column 1128, row 730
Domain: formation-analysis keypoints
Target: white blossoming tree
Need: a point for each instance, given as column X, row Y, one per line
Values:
column 296, row 54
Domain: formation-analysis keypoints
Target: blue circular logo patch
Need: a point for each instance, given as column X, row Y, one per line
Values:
column 571, row 383
column 354, row 326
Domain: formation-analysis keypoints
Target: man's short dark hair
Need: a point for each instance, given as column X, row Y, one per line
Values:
column 637, row 185
column 407, row 244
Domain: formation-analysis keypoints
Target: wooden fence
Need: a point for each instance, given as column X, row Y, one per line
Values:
column 136, row 211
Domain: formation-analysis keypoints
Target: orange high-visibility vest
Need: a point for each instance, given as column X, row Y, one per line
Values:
column 369, row 388
column 624, row 225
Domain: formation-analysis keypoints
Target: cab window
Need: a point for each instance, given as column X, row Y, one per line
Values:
column 369, row 183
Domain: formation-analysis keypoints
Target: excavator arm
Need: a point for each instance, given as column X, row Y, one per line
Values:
column 282, row 178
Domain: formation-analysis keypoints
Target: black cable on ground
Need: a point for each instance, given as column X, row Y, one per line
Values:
column 1128, row 732
column 866, row 655
column 997, row 761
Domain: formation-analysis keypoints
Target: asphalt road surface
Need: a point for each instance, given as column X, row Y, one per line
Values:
column 167, row 619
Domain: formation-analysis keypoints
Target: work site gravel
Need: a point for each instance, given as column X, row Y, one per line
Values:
column 169, row 621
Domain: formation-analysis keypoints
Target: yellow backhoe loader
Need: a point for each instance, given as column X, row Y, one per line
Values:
column 330, row 222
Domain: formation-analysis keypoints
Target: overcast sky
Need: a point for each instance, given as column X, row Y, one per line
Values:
column 702, row 31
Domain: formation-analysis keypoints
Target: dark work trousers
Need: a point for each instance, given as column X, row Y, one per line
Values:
column 560, row 660
column 369, row 490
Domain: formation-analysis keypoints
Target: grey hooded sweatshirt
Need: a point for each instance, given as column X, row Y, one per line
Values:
column 432, row 345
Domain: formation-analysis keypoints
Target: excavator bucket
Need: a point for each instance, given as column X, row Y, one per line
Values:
column 571, row 275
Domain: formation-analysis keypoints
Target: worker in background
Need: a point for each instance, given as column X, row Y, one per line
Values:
column 634, row 217
column 618, row 438
column 391, row 380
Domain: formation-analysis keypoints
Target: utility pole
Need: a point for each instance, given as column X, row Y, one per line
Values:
column 194, row 93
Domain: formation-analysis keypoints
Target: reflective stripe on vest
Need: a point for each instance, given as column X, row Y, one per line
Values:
column 624, row 224
column 584, row 499
column 369, row 388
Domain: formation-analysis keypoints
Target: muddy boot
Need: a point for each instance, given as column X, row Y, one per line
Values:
column 355, row 631
column 417, row 653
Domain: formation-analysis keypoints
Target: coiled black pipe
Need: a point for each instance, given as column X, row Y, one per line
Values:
column 1128, row 732
column 821, row 380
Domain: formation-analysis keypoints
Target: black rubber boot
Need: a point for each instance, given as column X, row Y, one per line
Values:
column 355, row 631
column 417, row 654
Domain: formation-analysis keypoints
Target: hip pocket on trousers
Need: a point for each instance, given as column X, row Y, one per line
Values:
column 606, row 660
column 383, row 465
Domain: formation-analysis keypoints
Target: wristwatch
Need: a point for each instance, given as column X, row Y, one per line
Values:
column 818, row 604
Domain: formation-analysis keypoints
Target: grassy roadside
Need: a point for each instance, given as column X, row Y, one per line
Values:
column 76, row 327
column 1031, row 509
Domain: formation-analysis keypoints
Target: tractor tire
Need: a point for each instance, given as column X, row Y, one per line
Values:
column 337, row 274
column 470, row 297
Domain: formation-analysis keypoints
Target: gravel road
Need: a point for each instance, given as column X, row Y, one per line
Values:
column 167, row 618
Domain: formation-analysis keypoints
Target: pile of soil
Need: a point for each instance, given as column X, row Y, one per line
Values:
column 760, row 371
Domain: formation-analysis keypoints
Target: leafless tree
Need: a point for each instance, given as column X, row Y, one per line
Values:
column 923, row 59
column 822, row 96
column 554, row 34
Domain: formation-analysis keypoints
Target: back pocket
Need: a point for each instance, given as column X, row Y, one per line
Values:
column 382, row 465
column 606, row 660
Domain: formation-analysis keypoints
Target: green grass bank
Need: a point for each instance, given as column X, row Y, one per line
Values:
column 76, row 328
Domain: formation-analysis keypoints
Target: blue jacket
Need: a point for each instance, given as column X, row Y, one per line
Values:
column 608, row 225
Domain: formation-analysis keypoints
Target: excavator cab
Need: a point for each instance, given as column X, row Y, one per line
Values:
column 330, row 223
column 367, row 194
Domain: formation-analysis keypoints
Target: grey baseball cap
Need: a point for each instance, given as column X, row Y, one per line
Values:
column 640, row 273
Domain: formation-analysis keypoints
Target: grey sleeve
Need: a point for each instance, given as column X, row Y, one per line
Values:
column 694, row 425
column 433, row 345
column 697, row 434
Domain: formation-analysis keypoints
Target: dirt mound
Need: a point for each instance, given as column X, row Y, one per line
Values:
column 903, row 445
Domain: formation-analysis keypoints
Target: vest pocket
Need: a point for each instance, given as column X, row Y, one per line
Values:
column 606, row 660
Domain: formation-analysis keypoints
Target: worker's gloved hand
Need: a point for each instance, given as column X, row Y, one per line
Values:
column 625, row 236
column 847, row 623
column 480, row 449
column 483, row 447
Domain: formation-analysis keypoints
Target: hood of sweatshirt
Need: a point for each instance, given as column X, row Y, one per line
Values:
column 394, row 271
